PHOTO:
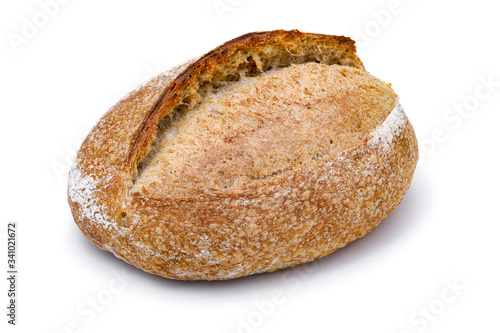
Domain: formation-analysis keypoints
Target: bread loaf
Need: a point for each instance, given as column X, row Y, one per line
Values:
column 274, row 149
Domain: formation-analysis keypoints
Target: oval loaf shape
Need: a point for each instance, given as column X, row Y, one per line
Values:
column 274, row 149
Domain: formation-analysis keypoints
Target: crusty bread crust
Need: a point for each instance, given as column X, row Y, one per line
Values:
column 302, row 214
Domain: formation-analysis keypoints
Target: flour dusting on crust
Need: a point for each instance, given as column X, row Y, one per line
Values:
column 385, row 133
column 82, row 190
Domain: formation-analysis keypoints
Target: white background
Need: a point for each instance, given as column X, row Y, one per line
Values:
column 66, row 73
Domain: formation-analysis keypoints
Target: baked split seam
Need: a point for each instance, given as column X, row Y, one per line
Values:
column 272, row 150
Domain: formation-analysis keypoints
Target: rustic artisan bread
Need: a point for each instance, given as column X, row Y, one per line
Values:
column 272, row 150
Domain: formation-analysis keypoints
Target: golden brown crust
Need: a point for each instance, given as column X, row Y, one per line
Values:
column 269, row 224
column 241, row 133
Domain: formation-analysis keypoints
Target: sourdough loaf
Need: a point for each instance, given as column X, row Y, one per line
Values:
column 274, row 149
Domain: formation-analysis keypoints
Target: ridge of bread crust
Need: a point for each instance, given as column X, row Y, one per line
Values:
column 267, row 225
